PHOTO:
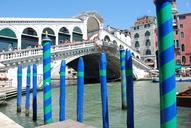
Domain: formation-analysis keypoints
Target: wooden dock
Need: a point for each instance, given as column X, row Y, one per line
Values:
column 6, row 122
column 10, row 91
column 66, row 124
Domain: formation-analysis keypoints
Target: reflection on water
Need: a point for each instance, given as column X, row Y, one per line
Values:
column 147, row 112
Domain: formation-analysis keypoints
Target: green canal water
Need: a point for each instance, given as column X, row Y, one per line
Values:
column 146, row 107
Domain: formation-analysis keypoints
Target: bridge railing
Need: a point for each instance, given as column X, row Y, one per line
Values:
column 38, row 51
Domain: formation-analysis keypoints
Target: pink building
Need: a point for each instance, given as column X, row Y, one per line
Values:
column 182, row 40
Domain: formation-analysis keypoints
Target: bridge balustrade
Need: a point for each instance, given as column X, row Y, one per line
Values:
column 4, row 56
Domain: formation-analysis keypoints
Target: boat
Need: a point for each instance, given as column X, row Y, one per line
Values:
column 184, row 98
column 178, row 79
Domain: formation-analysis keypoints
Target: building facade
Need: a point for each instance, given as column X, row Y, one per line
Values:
column 143, row 35
column 22, row 33
column 183, row 39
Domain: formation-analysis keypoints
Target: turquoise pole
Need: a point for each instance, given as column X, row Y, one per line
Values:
column 47, row 89
column 130, row 90
column 19, row 88
column 27, row 105
column 123, row 79
column 104, row 96
column 62, row 90
column 80, row 90
column 166, row 64
column 34, row 92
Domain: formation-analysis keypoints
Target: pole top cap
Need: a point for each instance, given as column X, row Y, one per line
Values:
column 46, row 38
column 161, row 1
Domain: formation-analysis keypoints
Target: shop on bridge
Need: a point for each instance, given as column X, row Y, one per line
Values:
column 8, row 40
column 29, row 38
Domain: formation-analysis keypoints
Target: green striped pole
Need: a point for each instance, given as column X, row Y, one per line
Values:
column 28, row 84
column 19, row 88
column 123, row 79
column 166, row 64
column 80, row 90
column 47, row 80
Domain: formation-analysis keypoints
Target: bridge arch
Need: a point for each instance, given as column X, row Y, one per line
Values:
column 93, row 24
column 115, row 43
column 8, row 39
column 29, row 38
column 150, row 62
column 63, row 35
column 107, row 39
column 77, row 34
column 51, row 35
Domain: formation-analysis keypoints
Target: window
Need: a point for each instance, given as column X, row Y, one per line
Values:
column 177, row 44
column 182, row 35
column 183, row 47
column 181, row 25
column 134, row 28
column 137, row 44
column 176, row 32
column 136, row 36
column 190, row 59
column 148, row 43
column 148, row 52
column 137, row 27
column 147, row 33
column 183, row 59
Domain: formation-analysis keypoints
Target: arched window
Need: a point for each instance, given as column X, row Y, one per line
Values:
column 29, row 38
column 8, row 39
column 148, row 43
column 77, row 34
column 148, row 52
column 63, row 35
column 51, row 35
column 183, row 47
column 183, row 59
column 136, row 36
column 121, row 47
column 137, row 44
column 115, row 43
column 106, row 39
column 147, row 34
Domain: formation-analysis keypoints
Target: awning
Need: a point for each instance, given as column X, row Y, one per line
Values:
column 177, row 67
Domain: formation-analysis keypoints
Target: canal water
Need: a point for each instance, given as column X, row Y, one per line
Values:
column 147, row 112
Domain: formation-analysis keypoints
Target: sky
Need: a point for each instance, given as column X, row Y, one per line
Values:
column 117, row 13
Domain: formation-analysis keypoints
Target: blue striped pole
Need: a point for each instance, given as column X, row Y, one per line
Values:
column 123, row 80
column 80, row 90
column 34, row 92
column 104, row 96
column 19, row 88
column 27, row 105
column 166, row 64
column 62, row 89
column 129, row 90
column 47, row 79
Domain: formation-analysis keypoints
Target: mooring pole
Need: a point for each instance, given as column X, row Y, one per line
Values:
column 123, row 79
column 104, row 96
column 47, row 79
column 19, row 88
column 166, row 64
column 62, row 90
column 129, row 90
column 34, row 92
column 28, row 84
column 80, row 90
